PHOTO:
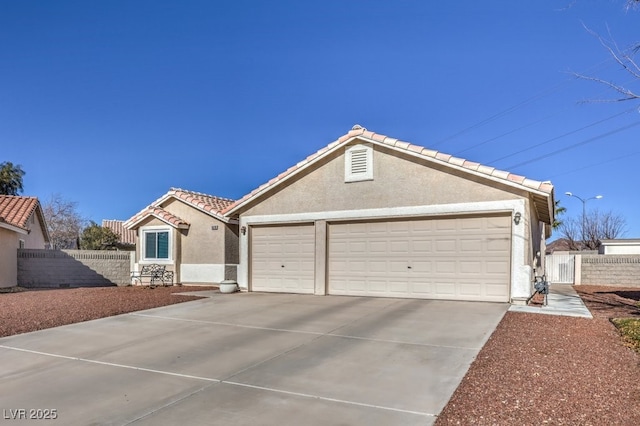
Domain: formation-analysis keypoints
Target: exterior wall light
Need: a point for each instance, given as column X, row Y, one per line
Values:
column 516, row 218
column 243, row 230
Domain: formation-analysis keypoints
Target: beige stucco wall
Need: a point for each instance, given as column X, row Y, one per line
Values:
column 9, row 244
column 402, row 185
column 205, row 252
column 232, row 244
column 8, row 257
column 397, row 182
column 200, row 244
column 35, row 238
column 175, row 243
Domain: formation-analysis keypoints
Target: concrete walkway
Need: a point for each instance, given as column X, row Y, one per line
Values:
column 561, row 300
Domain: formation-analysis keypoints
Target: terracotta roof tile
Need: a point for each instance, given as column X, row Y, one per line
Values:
column 16, row 210
column 158, row 212
column 485, row 169
column 442, row 156
column 501, row 174
column 360, row 132
column 415, row 148
column 209, row 204
column 457, row 161
column 127, row 236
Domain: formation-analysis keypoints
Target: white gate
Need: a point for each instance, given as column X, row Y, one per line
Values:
column 560, row 268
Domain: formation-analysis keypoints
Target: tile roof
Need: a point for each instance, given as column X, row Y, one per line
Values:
column 16, row 211
column 208, row 204
column 127, row 236
column 544, row 189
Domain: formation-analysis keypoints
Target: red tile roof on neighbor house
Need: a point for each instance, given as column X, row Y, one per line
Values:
column 543, row 188
column 208, row 204
column 127, row 236
column 16, row 211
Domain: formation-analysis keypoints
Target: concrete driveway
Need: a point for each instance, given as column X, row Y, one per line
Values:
column 249, row 359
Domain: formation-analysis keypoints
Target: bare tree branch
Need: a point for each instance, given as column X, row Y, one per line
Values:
column 587, row 233
column 65, row 223
column 622, row 58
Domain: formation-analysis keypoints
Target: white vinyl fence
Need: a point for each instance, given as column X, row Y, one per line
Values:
column 560, row 268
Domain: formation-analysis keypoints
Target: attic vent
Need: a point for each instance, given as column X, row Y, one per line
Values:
column 358, row 163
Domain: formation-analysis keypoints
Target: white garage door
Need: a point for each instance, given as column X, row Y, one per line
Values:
column 446, row 258
column 282, row 258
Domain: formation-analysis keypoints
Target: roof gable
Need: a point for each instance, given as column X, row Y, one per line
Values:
column 15, row 211
column 208, row 204
column 541, row 192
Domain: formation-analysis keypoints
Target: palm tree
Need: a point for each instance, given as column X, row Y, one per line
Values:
column 559, row 211
column 10, row 178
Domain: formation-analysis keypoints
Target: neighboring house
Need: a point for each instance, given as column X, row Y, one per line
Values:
column 186, row 232
column 369, row 215
column 22, row 225
column 559, row 245
column 620, row 246
column 127, row 236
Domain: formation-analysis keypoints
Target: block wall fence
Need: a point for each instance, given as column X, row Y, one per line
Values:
column 611, row 270
column 73, row 268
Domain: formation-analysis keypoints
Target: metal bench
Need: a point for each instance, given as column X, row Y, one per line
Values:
column 154, row 273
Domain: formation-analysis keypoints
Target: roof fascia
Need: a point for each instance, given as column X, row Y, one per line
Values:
column 136, row 224
column 13, row 228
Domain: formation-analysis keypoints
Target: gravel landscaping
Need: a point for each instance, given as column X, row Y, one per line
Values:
column 31, row 310
column 544, row 369
column 535, row 369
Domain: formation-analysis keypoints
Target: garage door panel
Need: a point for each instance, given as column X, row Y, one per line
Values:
column 283, row 258
column 422, row 246
column 497, row 245
column 445, row 246
column 470, row 246
column 466, row 258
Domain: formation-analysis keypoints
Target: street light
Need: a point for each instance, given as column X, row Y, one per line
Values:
column 584, row 209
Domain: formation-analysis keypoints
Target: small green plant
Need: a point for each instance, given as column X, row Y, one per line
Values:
column 629, row 328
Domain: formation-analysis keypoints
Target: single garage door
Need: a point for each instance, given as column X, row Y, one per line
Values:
column 282, row 258
column 461, row 258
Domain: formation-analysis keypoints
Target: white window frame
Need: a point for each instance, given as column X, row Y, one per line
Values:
column 143, row 244
column 361, row 149
column 21, row 243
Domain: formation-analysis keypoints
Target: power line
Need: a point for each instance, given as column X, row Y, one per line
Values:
column 501, row 113
column 596, row 164
column 521, row 104
column 562, row 136
column 533, row 160
column 504, row 134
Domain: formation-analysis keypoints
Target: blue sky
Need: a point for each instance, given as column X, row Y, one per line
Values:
column 111, row 103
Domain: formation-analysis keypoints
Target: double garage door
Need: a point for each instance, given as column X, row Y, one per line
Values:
column 459, row 258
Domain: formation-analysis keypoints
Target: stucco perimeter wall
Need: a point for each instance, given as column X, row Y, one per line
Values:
column 613, row 270
column 73, row 268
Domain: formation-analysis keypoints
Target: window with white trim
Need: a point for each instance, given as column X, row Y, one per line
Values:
column 156, row 244
column 21, row 244
column 358, row 163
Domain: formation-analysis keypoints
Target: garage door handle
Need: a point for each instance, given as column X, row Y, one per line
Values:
column 282, row 266
column 408, row 267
